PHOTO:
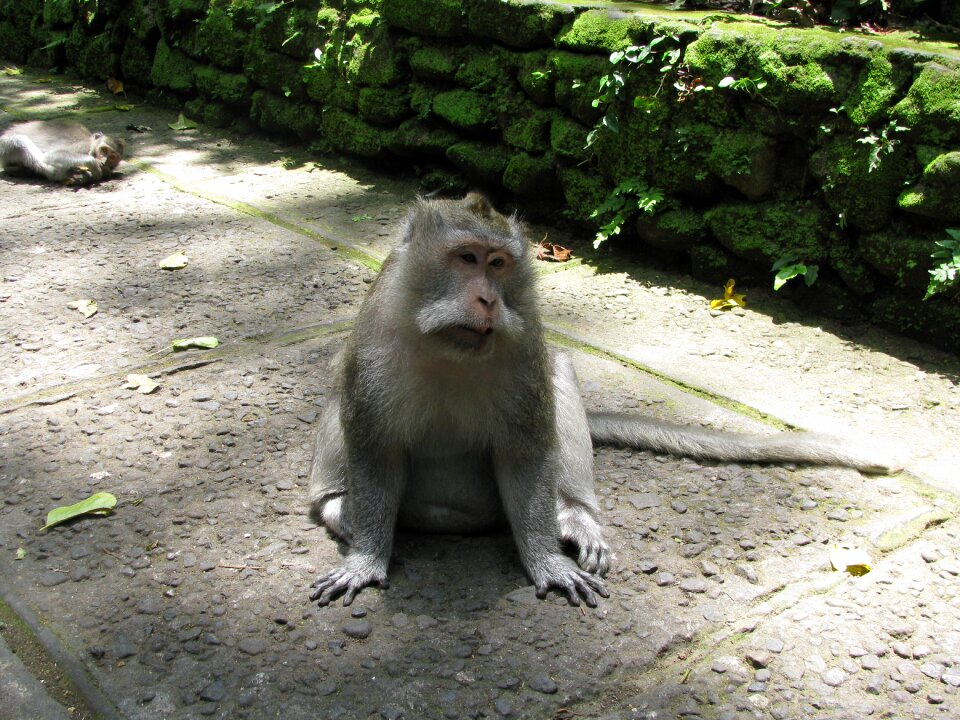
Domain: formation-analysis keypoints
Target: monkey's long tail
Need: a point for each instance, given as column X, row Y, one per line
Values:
column 643, row 433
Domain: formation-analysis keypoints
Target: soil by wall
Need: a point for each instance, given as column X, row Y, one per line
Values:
column 750, row 142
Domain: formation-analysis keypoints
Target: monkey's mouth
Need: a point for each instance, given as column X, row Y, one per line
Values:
column 468, row 336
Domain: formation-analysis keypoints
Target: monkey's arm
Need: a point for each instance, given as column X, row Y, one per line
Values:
column 374, row 488
column 529, row 498
column 645, row 433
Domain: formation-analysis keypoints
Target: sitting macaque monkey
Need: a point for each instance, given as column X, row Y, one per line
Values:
column 451, row 415
column 59, row 151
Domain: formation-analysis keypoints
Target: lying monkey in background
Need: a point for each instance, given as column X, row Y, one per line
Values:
column 59, row 151
column 451, row 415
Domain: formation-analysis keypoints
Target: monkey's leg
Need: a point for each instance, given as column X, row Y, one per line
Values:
column 527, row 479
column 375, row 481
column 328, row 474
column 18, row 153
column 73, row 168
column 577, row 507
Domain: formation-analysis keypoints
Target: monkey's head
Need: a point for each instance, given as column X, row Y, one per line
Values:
column 465, row 276
column 108, row 151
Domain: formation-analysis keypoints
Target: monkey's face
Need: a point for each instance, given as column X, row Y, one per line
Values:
column 466, row 310
column 108, row 153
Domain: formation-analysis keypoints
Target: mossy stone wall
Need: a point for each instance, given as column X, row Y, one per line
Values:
column 840, row 149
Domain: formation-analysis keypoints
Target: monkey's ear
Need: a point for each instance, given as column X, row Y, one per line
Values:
column 477, row 204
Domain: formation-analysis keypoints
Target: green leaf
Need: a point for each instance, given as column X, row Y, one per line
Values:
column 174, row 262
column 21, row 553
column 726, row 82
column 182, row 123
column 100, row 503
column 206, row 343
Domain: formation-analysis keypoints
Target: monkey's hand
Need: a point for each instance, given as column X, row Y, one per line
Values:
column 358, row 572
column 81, row 175
column 560, row 573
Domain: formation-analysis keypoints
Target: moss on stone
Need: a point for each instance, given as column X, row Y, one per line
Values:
column 531, row 175
column 765, row 232
column 222, row 40
column 568, row 138
column 937, row 195
column 210, row 113
column 223, row 87
column 281, row 115
column 92, row 57
column 422, row 96
column 481, row 161
column 937, row 318
column 418, row 140
column 372, row 56
column 350, row 134
column 576, row 83
column 871, row 97
column 135, row 62
column 172, row 69
column 932, row 105
column 535, row 76
column 488, row 70
column 608, row 30
column 143, row 20
column 583, row 191
column 528, row 129
column 466, row 110
column 851, row 268
column 433, row 18
column 745, row 160
column 383, row 106
column 435, row 62
column 901, row 253
column 59, row 13
column 517, row 24
column 864, row 198
column 676, row 230
column 277, row 73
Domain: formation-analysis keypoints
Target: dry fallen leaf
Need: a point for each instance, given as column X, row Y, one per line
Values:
column 87, row 307
column 552, row 251
column 730, row 298
column 852, row 560
column 141, row 383
column 174, row 262
column 115, row 86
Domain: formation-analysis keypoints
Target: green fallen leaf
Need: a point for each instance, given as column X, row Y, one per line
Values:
column 205, row 343
column 11, row 71
column 141, row 383
column 182, row 123
column 21, row 553
column 100, row 503
column 87, row 307
column 174, row 262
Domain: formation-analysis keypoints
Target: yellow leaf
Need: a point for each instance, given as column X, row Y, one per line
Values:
column 730, row 298
column 141, row 383
column 115, row 86
column 87, row 307
column 174, row 262
column 852, row 560
column 7, row 70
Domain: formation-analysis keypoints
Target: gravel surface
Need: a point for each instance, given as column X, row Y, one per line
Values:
column 191, row 599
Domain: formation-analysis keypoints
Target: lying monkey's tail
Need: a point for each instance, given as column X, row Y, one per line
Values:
column 647, row 434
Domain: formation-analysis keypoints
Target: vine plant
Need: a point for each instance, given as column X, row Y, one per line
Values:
column 633, row 195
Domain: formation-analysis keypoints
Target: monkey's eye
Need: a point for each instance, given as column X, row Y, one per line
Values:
column 469, row 257
column 498, row 262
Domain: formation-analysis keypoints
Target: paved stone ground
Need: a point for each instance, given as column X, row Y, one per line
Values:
column 191, row 600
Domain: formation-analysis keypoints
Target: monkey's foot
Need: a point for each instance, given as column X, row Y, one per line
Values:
column 579, row 528
column 558, row 572
column 80, row 175
column 357, row 573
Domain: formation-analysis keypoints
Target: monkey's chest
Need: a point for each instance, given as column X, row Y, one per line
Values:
column 451, row 494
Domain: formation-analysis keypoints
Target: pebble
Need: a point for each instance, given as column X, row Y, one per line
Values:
column 833, row 677
column 214, row 692
column 359, row 629
column 694, row 585
column 252, row 646
column 542, row 683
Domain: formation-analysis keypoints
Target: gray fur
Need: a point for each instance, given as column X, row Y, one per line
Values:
column 443, row 429
column 62, row 152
